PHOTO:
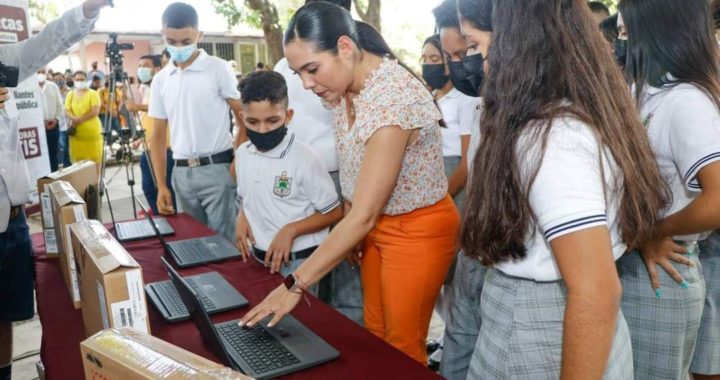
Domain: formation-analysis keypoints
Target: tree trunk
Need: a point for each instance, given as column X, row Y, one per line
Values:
column 371, row 15
column 271, row 28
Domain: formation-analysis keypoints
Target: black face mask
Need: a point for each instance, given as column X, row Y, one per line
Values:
column 268, row 140
column 621, row 47
column 468, row 75
column 434, row 75
column 70, row 83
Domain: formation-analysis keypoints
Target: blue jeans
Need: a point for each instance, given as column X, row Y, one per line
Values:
column 17, row 272
column 148, row 185
column 53, row 144
column 64, row 149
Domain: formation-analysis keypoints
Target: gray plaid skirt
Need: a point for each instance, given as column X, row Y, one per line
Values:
column 522, row 328
column 663, row 329
column 706, row 360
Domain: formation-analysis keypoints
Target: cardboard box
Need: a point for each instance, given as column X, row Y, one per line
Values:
column 128, row 354
column 68, row 208
column 111, row 283
column 80, row 176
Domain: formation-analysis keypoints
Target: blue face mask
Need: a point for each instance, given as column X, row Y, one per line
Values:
column 181, row 54
column 144, row 74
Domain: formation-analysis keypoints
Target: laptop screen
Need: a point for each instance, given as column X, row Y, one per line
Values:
column 153, row 225
column 199, row 315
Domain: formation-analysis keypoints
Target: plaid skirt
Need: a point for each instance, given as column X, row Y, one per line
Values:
column 522, row 328
column 706, row 360
column 663, row 329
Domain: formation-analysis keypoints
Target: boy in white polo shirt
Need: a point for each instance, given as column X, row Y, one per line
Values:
column 194, row 94
column 288, row 198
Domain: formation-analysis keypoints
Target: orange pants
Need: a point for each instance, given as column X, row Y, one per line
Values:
column 404, row 264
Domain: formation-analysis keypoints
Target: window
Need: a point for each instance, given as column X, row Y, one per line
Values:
column 207, row 46
column 226, row 51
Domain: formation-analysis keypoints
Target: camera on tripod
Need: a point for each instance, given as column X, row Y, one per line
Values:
column 113, row 51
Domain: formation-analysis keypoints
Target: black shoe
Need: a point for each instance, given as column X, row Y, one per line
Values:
column 431, row 347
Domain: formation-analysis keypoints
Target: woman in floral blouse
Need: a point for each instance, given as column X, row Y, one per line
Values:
column 392, row 177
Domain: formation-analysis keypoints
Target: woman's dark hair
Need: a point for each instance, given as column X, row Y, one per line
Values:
column 609, row 28
column 323, row 23
column 347, row 4
column 671, row 36
column 477, row 13
column 552, row 64
column 80, row 72
column 434, row 40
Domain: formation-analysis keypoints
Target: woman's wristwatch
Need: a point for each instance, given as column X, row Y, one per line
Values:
column 294, row 284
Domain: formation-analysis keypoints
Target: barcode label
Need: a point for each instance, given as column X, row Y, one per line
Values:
column 46, row 207
column 50, row 241
column 70, row 257
column 79, row 212
column 122, row 313
column 136, row 298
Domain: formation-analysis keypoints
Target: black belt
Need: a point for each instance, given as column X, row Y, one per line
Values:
column 299, row 255
column 225, row 157
column 16, row 211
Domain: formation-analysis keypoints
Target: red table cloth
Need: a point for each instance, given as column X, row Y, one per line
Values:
column 362, row 355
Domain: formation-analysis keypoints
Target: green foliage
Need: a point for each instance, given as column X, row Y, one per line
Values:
column 612, row 4
column 43, row 10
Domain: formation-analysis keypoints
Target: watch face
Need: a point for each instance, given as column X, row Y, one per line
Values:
column 289, row 281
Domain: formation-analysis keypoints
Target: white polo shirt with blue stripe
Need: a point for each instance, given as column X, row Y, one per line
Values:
column 683, row 124
column 576, row 187
column 281, row 186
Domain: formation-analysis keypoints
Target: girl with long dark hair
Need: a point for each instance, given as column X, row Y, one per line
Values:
column 391, row 173
column 557, row 194
column 673, row 63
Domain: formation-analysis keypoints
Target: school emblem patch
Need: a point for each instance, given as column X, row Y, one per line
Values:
column 283, row 185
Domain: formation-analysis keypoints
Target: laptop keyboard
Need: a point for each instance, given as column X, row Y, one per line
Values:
column 176, row 306
column 136, row 229
column 193, row 252
column 258, row 348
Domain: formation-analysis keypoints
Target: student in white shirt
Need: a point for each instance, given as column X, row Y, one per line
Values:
column 459, row 107
column 194, row 95
column 559, row 195
column 53, row 112
column 675, row 68
column 457, row 110
column 288, row 198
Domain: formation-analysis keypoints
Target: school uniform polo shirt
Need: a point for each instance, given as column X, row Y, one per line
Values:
column 577, row 187
column 458, row 112
column 283, row 185
column 194, row 102
column 683, row 125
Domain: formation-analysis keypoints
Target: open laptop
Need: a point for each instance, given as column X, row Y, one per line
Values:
column 215, row 293
column 193, row 252
column 137, row 229
column 260, row 352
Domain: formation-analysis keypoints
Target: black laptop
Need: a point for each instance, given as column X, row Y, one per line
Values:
column 193, row 252
column 137, row 229
column 215, row 293
column 260, row 352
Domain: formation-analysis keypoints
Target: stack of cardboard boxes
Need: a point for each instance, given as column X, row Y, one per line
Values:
column 106, row 283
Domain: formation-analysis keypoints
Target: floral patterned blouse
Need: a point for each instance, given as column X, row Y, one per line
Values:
column 393, row 97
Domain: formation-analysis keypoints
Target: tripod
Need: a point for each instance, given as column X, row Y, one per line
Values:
column 124, row 155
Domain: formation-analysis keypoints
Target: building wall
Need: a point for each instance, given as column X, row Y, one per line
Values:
column 95, row 51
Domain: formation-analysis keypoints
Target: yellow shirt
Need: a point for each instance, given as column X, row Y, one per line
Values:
column 104, row 94
column 148, row 123
column 80, row 105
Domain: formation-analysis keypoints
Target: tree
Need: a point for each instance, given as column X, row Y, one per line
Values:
column 43, row 11
column 612, row 4
column 369, row 12
column 261, row 14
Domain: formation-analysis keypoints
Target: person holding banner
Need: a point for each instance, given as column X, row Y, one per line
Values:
column 16, row 262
